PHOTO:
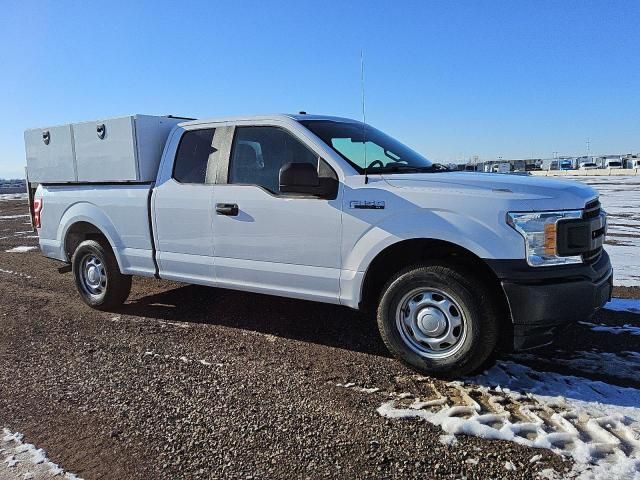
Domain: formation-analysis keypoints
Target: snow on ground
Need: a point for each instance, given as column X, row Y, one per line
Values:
column 11, row 272
column 21, row 249
column 595, row 423
column 616, row 330
column 13, row 196
column 12, row 217
column 21, row 460
column 631, row 305
column 623, row 365
column 620, row 198
column 606, row 440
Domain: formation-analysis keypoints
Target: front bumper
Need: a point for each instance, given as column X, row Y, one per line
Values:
column 545, row 299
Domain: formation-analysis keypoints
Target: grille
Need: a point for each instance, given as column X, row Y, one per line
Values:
column 591, row 209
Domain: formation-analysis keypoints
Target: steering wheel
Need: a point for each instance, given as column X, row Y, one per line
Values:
column 376, row 162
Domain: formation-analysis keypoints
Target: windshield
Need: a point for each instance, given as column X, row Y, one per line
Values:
column 355, row 142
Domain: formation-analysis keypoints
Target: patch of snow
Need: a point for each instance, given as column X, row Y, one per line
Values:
column 508, row 465
column 624, row 365
column 369, row 390
column 624, row 304
column 11, row 217
column 616, row 330
column 26, row 460
column 13, row 196
column 346, row 385
column 548, row 474
column 11, row 272
column 448, row 439
column 21, row 249
column 626, row 264
column 353, row 386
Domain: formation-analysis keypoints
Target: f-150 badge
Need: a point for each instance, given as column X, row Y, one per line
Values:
column 367, row 204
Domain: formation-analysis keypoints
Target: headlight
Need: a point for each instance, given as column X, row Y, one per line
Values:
column 539, row 230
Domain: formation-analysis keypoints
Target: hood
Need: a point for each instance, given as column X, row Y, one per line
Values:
column 535, row 192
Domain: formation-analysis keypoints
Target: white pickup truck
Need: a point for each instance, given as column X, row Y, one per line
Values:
column 455, row 264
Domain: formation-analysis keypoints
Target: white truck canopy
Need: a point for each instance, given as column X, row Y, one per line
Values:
column 123, row 149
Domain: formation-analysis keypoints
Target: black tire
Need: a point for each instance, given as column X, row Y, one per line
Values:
column 111, row 288
column 478, row 313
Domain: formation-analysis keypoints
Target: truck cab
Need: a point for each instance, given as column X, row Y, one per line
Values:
column 454, row 264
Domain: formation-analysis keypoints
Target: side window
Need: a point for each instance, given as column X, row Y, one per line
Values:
column 191, row 160
column 259, row 152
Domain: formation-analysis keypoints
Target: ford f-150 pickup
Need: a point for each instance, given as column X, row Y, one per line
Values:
column 455, row 265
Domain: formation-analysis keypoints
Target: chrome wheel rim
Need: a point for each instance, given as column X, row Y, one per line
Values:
column 431, row 323
column 93, row 275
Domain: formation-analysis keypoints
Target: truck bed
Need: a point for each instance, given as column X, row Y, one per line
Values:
column 120, row 210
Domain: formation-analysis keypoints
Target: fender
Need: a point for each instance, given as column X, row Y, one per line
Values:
column 90, row 213
column 446, row 225
column 437, row 224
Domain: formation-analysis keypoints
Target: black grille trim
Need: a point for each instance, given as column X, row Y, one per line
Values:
column 592, row 209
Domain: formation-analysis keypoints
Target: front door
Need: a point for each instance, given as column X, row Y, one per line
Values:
column 270, row 242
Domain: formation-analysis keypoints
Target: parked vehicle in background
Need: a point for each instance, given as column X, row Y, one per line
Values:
column 610, row 161
column 502, row 167
column 613, row 164
column 632, row 161
column 566, row 164
column 588, row 166
column 455, row 264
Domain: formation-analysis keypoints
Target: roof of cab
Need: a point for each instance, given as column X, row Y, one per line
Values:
column 277, row 116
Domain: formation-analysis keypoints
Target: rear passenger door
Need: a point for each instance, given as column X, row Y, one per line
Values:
column 182, row 211
column 267, row 241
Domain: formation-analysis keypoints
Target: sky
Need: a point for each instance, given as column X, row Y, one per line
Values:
column 452, row 79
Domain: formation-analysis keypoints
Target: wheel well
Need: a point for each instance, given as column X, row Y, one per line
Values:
column 78, row 233
column 408, row 252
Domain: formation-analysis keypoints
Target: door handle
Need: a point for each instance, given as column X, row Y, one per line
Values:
column 230, row 209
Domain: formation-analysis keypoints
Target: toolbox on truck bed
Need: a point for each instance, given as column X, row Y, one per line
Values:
column 124, row 149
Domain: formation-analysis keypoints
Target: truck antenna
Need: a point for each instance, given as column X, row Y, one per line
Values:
column 364, row 117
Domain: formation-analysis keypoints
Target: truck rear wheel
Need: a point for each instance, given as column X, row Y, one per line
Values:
column 97, row 275
column 438, row 319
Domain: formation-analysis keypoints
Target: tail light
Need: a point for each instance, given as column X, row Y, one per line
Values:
column 37, row 208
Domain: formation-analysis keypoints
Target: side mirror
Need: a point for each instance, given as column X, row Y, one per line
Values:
column 299, row 178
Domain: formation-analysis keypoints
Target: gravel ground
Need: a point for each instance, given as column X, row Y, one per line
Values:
column 194, row 382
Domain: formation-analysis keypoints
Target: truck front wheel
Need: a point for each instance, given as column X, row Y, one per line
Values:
column 439, row 319
column 97, row 275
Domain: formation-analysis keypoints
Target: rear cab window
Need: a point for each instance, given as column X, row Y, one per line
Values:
column 192, row 156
